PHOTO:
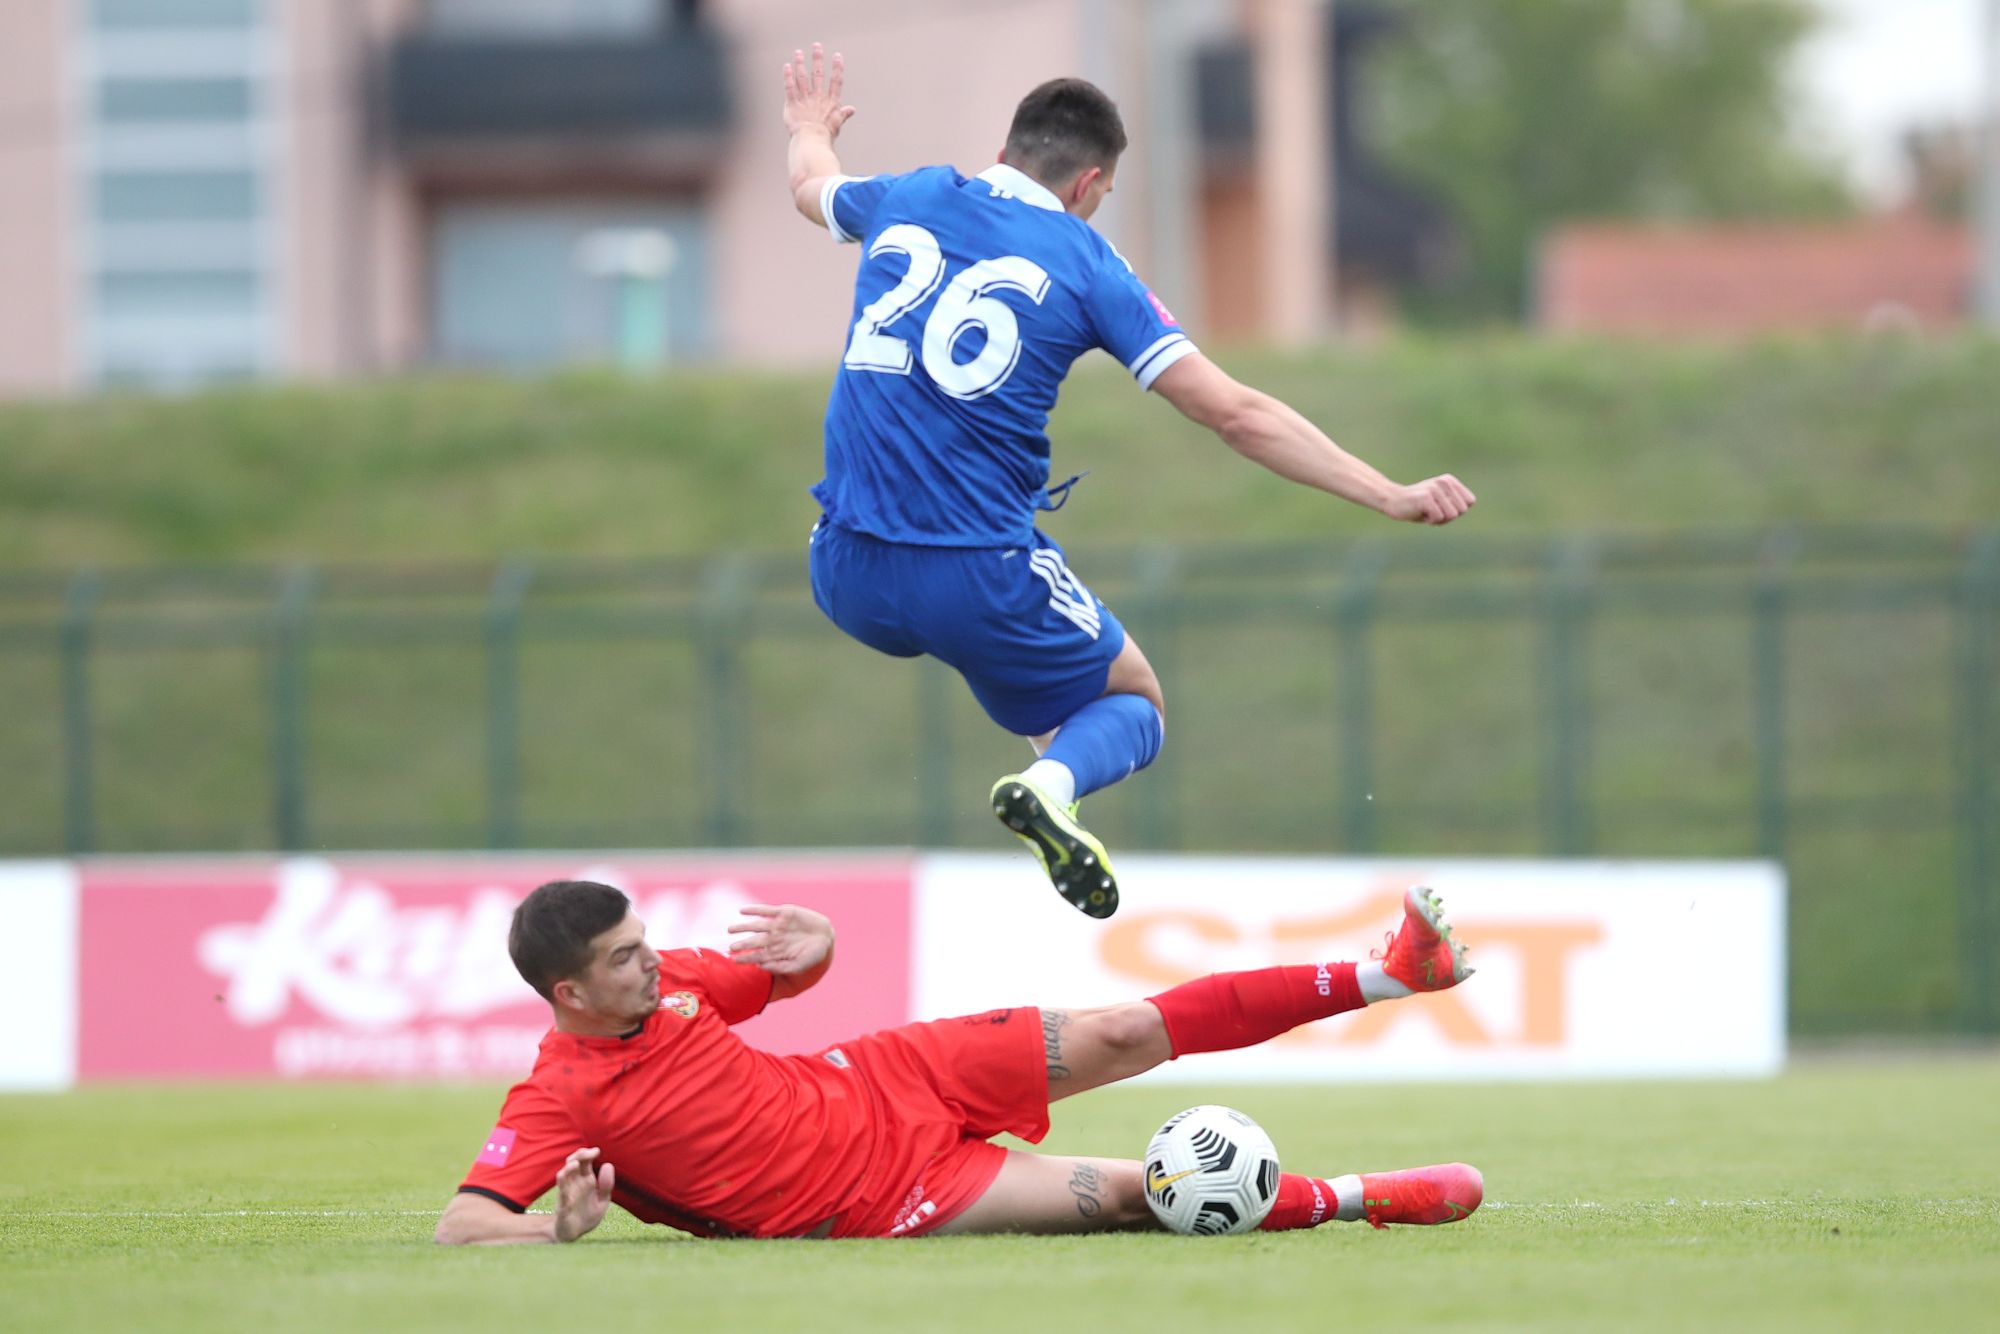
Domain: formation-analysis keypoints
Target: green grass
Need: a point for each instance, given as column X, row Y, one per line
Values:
column 1849, row 1194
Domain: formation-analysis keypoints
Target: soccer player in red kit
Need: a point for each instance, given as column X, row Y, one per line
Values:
column 644, row 1096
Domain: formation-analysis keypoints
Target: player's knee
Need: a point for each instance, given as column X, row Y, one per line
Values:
column 1148, row 688
column 1131, row 674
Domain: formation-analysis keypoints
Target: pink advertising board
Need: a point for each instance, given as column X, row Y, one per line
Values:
column 396, row 966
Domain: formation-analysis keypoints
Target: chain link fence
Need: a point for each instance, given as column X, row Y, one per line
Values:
column 1822, row 697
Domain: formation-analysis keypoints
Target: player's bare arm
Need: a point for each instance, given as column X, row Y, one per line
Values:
column 583, row 1193
column 1266, row 431
column 793, row 944
column 814, row 116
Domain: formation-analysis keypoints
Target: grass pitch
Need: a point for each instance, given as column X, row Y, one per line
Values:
column 1849, row 1194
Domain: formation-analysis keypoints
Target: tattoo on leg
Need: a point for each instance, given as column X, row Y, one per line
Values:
column 1053, row 1023
column 1087, row 1184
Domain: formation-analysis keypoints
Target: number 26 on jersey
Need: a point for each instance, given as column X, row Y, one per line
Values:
column 966, row 304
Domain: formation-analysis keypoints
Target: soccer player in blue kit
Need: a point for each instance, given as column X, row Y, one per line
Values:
column 973, row 298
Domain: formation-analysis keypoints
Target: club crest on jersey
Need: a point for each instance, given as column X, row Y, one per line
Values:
column 683, row 1003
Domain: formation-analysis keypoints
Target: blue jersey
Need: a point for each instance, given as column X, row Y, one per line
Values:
column 974, row 298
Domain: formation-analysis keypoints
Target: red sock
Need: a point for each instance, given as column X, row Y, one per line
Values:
column 1302, row 1202
column 1227, row 1010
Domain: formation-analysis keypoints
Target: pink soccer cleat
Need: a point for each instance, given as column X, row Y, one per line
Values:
column 1422, row 955
column 1424, row 1196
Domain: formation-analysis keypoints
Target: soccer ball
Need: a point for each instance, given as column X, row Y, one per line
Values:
column 1210, row 1171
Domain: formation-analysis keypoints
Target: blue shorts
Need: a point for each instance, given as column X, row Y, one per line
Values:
column 1034, row 644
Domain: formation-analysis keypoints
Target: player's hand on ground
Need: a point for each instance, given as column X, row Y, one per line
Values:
column 781, row 939
column 583, row 1192
column 812, row 93
column 1435, row 500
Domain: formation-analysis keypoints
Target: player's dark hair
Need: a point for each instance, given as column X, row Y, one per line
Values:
column 553, row 927
column 1063, row 127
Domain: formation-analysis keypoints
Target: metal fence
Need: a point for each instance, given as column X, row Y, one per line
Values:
column 1823, row 697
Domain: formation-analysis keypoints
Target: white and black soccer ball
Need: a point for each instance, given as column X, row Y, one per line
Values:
column 1210, row 1171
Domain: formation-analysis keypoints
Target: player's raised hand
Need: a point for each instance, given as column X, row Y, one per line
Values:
column 582, row 1194
column 1435, row 500
column 782, row 939
column 812, row 93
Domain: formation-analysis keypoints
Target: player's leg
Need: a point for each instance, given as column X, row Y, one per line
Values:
column 983, row 1065
column 1087, row 1049
column 1107, row 739
column 1049, row 661
column 1423, row 1196
column 1043, row 1193
column 1111, row 737
column 1031, row 643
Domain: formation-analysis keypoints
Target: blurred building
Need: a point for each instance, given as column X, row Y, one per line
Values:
column 1905, row 271
column 193, row 190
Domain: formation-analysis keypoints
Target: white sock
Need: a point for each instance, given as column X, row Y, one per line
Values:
column 1347, row 1206
column 1054, row 778
column 1377, row 985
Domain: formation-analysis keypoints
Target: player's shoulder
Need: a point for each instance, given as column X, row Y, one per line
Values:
column 691, row 964
column 1055, row 237
column 1106, row 255
column 935, row 177
column 542, row 1090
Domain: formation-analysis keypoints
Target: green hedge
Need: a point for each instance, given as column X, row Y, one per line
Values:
column 1553, row 437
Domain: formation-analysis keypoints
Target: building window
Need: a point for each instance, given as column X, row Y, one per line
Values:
column 543, row 18
column 152, row 100
column 177, row 284
column 532, row 284
column 176, row 196
column 168, row 294
column 121, row 15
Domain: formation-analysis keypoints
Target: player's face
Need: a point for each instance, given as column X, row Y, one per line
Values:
column 623, row 980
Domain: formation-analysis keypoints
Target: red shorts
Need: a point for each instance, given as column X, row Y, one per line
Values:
column 945, row 1088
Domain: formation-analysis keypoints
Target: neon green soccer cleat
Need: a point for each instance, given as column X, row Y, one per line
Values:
column 1072, row 856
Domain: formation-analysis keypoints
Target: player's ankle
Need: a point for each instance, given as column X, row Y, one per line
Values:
column 1348, row 1198
column 1054, row 779
column 1377, row 985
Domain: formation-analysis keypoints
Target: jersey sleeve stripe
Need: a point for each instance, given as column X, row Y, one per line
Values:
column 1148, row 365
column 826, row 192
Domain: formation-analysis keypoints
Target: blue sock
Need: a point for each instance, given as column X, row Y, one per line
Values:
column 1108, row 739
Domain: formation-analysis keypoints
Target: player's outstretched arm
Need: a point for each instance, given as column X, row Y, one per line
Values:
column 814, row 116
column 1266, row 431
column 583, row 1192
column 793, row 944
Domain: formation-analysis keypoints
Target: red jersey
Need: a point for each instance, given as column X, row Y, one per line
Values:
column 713, row 1136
